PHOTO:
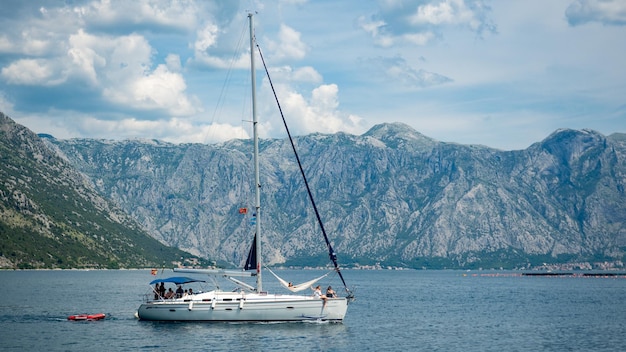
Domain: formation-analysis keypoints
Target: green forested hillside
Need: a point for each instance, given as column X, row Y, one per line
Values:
column 51, row 218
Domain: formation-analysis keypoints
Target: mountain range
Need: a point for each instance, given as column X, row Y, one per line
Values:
column 389, row 197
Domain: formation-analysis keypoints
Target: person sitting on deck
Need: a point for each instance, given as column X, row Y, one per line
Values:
column 170, row 294
column 317, row 293
column 330, row 293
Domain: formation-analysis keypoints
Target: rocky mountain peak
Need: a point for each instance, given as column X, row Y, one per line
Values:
column 571, row 144
column 399, row 135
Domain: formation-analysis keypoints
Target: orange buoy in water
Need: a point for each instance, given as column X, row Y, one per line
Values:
column 97, row 316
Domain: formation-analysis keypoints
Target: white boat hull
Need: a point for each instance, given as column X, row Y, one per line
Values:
column 238, row 307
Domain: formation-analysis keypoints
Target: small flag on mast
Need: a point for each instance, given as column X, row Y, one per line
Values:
column 154, row 271
column 243, row 210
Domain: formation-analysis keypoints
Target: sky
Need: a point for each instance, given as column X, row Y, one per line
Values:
column 503, row 74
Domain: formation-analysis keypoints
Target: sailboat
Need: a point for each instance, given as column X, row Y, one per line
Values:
column 250, row 303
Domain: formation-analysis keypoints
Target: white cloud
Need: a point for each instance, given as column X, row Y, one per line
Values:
column 308, row 105
column 122, row 66
column 5, row 44
column 318, row 113
column 442, row 13
column 307, row 74
column 206, row 38
column 209, row 53
column 293, row 2
column 178, row 15
column 289, row 47
column 419, row 22
column 35, row 42
column 68, row 124
column 450, row 12
column 397, row 69
column 172, row 61
column 159, row 89
column 609, row 12
column 84, row 56
column 32, row 72
column 375, row 28
column 172, row 130
column 240, row 62
column 6, row 106
column 419, row 39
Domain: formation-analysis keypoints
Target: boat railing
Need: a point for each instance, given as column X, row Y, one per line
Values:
column 150, row 297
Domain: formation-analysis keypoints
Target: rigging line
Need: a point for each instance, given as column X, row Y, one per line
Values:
column 221, row 100
column 331, row 252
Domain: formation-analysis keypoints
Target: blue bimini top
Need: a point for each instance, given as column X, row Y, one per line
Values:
column 178, row 280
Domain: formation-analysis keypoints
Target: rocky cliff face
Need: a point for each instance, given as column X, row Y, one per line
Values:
column 390, row 195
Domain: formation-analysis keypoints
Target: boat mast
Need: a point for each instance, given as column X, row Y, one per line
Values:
column 257, row 181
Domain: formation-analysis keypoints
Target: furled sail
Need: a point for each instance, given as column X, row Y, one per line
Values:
column 251, row 261
column 298, row 287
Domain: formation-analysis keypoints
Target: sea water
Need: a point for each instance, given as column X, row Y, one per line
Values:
column 394, row 311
